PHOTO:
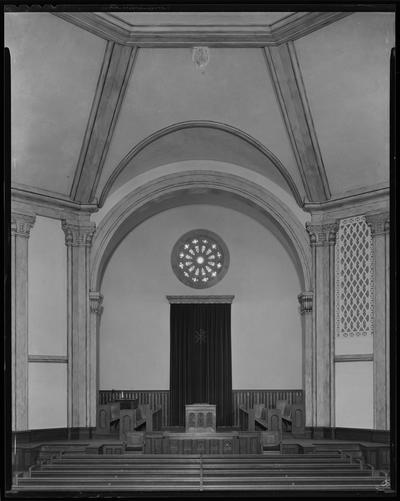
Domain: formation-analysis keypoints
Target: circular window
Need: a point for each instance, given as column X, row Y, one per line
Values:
column 200, row 259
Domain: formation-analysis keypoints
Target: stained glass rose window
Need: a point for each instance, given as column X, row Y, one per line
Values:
column 200, row 259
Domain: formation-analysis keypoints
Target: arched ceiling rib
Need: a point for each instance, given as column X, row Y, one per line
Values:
column 200, row 140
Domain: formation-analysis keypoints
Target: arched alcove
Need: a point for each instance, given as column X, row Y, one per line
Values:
column 210, row 188
column 200, row 187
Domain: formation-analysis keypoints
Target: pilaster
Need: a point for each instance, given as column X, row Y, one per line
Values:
column 306, row 308
column 379, row 224
column 78, row 239
column 322, row 241
column 21, row 225
column 96, row 310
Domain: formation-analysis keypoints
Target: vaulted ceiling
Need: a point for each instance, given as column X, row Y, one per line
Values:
column 300, row 98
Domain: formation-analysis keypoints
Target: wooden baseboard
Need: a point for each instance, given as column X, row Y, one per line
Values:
column 51, row 434
column 353, row 434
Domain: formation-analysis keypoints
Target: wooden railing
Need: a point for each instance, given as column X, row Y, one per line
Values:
column 240, row 398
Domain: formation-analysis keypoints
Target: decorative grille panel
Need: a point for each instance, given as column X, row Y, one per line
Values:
column 354, row 278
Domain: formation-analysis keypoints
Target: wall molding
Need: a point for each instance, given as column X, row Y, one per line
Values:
column 60, row 359
column 351, row 198
column 47, row 204
column 199, row 299
column 360, row 357
column 292, row 27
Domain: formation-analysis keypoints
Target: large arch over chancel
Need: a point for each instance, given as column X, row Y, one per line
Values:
column 213, row 188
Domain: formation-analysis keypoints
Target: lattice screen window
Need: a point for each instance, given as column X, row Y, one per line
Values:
column 354, row 278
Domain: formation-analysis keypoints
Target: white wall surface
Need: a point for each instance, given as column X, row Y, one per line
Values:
column 266, row 326
column 47, row 398
column 354, row 394
column 47, row 324
column 47, row 289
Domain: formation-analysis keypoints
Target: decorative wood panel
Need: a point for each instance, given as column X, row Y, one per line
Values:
column 247, row 399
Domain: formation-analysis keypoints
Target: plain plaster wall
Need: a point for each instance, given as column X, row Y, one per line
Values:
column 266, row 326
column 47, row 324
column 47, row 395
column 47, row 288
column 354, row 394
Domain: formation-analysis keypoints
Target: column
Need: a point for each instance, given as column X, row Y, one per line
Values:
column 306, row 307
column 322, row 241
column 78, row 239
column 96, row 309
column 21, row 225
column 379, row 224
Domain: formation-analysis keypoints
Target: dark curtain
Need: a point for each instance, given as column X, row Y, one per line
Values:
column 200, row 361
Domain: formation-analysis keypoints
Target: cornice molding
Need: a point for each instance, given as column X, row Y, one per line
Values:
column 292, row 27
column 347, row 199
column 199, row 299
column 47, row 204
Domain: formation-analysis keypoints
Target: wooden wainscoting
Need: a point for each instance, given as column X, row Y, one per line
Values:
column 240, row 398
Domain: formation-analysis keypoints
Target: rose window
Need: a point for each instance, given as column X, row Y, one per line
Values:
column 200, row 259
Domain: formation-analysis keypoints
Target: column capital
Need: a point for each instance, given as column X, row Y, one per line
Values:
column 21, row 224
column 96, row 299
column 306, row 302
column 379, row 223
column 322, row 234
column 78, row 235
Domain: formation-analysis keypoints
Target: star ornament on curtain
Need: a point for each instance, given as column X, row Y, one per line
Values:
column 200, row 336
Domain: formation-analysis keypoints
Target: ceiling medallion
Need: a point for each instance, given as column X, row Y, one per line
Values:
column 200, row 259
column 201, row 57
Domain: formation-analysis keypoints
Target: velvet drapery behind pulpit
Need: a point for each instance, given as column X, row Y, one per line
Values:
column 200, row 360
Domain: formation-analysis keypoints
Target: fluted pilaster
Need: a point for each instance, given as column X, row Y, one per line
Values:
column 380, row 227
column 81, row 370
column 322, row 242
column 21, row 225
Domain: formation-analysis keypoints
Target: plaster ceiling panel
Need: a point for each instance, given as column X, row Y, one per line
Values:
column 197, row 18
column 167, row 88
column 345, row 68
column 55, row 68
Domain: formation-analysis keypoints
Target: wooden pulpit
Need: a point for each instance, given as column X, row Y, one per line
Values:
column 200, row 418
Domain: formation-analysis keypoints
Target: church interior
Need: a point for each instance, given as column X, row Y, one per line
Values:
column 200, row 251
